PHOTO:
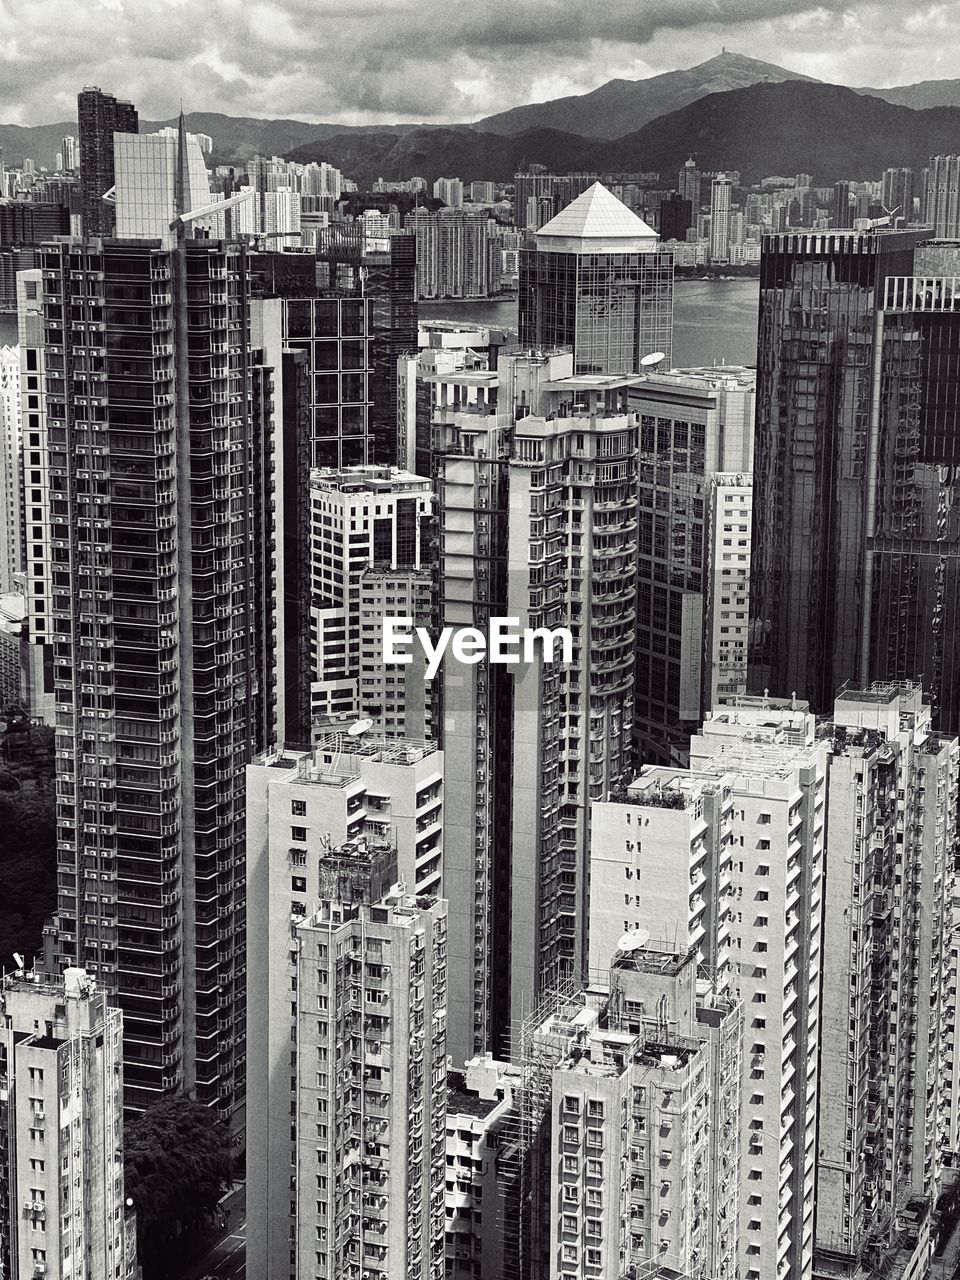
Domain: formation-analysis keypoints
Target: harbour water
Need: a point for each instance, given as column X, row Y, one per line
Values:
column 714, row 321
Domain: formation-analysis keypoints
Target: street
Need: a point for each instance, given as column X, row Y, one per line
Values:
column 226, row 1257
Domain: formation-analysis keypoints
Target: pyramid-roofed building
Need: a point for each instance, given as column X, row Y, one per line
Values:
column 596, row 222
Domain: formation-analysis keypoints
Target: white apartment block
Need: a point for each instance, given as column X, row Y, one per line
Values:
column 369, row 1107
column 726, row 858
column 382, row 796
column 62, row 1210
column 361, row 518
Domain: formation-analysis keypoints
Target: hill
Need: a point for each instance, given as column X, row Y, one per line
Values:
column 623, row 106
column 438, row 152
column 793, row 127
column 927, row 93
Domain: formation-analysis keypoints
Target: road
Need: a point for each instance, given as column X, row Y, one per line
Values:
column 226, row 1257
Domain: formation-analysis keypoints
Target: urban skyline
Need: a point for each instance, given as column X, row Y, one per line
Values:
column 631, row 957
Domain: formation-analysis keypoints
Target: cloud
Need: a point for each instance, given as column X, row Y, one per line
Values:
column 367, row 61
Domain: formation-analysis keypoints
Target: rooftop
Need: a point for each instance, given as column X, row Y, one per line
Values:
column 597, row 214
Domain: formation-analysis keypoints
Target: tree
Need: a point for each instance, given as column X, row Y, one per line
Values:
column 178, row 1162
column 28, row 868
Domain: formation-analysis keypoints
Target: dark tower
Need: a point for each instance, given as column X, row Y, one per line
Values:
column 100, row 116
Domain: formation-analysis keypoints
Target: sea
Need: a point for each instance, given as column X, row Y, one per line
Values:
column 714, row 321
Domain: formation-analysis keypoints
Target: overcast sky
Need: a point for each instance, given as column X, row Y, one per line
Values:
column 371, row 61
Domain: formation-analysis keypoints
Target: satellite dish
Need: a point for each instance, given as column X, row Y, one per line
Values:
column 653, row 358
column 634, row 940
column 359, row 727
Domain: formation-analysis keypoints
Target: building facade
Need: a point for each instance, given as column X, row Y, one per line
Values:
column 100, row 115
column 597, row 282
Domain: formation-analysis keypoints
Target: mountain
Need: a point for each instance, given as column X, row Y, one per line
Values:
column 793, row 127
column 438, row 152
column 623, row 106
column 928, row 93
column 235, row 138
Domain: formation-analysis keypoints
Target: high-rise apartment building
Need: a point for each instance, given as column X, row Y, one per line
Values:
column 100, row 116
column 62, row 1209
column 695, row 491
column 537, row 521
column 721, row 194
column 885, row 1002
column 726, row 857
column 69, row 153
column 852, row 566
column 546, row 194
column 597, row 282
column 345, row 1001
column 941, row 197
column 453, row 257
column 362, row 519
column 450, row 191
column 11, row 473
column 156, row 442
column 896, row 193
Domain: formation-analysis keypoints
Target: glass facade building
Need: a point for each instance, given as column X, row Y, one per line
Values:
column 856, row 546
column 596, row 281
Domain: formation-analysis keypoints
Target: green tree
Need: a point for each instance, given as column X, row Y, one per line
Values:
column 28, row 868
column 178, row 1162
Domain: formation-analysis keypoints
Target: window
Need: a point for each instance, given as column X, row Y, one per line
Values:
column 298, row 808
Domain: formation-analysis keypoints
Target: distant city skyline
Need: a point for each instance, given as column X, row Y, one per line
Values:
column 366, row 62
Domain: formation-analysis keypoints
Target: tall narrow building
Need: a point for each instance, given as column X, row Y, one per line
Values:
column 537, row 478
column 62, row 1209
column 157, row 430
column 941, row 197
column 100, row 115
column 847, row 466
column 597, row 282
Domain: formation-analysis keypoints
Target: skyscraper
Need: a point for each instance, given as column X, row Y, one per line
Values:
column 941, row 204
column 337, row 827
column 100, row 116
column 537, row 521
column 11, row 473
column 890, row 829
column 897, row 193
column 721, row 193
column 158, row 441
column 597, row 282
column 453, row 259
column 61, row 1131
column 688, row 185
column 695, row 491
column 845, row 472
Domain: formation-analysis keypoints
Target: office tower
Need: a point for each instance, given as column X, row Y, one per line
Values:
column 597, row 282
column 537, row 522
column 676, row 217
column 332, row 828
column 483, row 192
column 897, row 193
column 361, row 518
column 696, row 463
column 11, row 473
column 100, row 116
column 450, row 191
column 384, row 272
column 721, row 194
column 157, row 444
column 452, row 253
column 157, row 177
column 891, row 821
column 688, row 185
column 62, row 1210
column 856, row 567
column 727, row 857
column 942, row 197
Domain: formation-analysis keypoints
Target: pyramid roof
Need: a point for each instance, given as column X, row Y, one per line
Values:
column 597, row 215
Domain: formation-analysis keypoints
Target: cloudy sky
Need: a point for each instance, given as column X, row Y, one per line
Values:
column 370, row 61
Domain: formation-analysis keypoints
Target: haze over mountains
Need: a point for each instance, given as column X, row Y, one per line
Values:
column 729, row 112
